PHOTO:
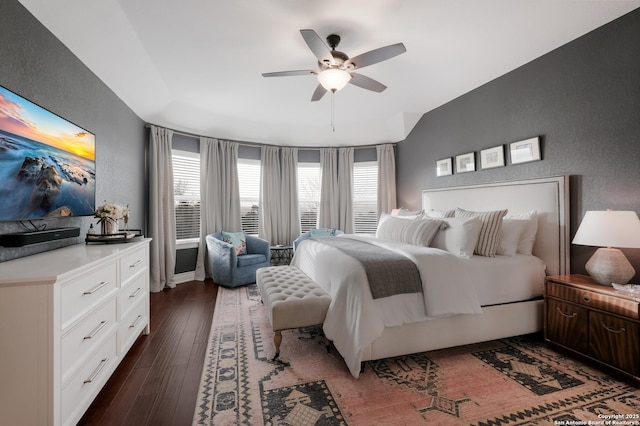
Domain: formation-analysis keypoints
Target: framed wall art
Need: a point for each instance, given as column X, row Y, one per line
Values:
column 444, row 167
column 492, row 157
column 465, row 163
column 525, row 150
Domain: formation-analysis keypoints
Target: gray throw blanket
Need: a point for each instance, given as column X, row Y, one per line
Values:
column 388, row 272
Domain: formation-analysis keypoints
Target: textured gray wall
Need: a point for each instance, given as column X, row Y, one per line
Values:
column 39, row 67
column 583, row 99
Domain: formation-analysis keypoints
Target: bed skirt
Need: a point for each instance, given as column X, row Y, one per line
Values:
column 496, row 322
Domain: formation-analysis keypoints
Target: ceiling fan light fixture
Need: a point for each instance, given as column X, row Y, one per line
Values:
column 334, row 79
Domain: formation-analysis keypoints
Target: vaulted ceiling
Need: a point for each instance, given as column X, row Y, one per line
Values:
column 196, row 65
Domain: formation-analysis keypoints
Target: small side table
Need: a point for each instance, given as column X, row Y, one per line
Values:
column 281, row 255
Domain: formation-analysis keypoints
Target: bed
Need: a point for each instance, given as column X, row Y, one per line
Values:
column 459, row 303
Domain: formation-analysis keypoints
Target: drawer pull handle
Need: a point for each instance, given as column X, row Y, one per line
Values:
column 139, row 261
column 135, row 293
column 566, row 314
column 613, row 330
column 136, row 321
column 96, row 330
column 96, row 288
column 97, row 371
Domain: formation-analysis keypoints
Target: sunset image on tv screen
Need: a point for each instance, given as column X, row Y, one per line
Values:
column 47, row 164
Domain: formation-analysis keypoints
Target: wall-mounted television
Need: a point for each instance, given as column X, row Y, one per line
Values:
column 47, row 164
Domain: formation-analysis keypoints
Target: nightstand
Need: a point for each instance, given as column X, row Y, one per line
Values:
column 594, row 321
column 281, row 255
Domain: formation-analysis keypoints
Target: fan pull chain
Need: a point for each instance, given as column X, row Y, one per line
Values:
column 333, row 111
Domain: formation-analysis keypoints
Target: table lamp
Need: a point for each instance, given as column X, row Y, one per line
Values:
column 609, row 229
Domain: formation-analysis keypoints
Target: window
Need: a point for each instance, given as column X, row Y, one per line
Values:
column 308, row 194
column 249, row 181
column 365, row 197
column 186, row 192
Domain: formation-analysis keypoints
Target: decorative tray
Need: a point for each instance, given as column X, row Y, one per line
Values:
column 118, row 237
column 633, row 289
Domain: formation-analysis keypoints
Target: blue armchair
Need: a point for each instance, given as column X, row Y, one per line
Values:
column 229, row 269
column 306, row 235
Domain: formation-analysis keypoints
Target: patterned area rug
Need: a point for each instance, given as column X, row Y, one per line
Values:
column 516, row 381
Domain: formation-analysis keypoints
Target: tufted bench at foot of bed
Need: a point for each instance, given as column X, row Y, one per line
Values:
column 292, row 299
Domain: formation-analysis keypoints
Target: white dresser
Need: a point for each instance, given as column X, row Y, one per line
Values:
column 67, row 318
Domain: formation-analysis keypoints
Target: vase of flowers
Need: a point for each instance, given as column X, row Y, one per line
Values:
column 108, row 216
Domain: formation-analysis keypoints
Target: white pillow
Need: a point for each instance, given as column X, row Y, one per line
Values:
column 490, row 232
column 459, row 237
column 510, row 236
column 528, row 237
column 438, row 214
column 407, row 217
column 409, row 214
column 418, row 232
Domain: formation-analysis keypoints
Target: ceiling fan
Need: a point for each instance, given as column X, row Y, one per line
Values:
column 336, row 69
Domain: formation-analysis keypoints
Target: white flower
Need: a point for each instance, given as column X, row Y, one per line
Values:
column 111, row 211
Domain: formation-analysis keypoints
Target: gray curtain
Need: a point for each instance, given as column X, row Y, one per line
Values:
column 162, row 218
column 219, row 194
column 289, row 208
column 279, row 215
column 386, row 178
column 328, row 212
column 345, row 190
column 270, row 218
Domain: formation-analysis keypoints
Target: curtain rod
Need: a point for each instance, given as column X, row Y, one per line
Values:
column 256, row 144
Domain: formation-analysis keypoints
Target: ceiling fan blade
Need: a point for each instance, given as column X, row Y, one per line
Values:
column 366, row 82
column 317, row 46
column 288, row 73
column 319, row 93
column 377, row 55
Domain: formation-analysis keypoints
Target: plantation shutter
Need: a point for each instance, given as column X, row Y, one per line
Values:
column 365, row 193
column 249, row 181
column 308, row 194
column 186, row 190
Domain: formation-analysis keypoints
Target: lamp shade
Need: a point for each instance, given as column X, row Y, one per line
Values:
column 609, row 228
column 334, row 79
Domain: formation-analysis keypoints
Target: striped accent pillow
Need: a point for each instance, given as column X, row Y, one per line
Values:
column 418, row 232
column 489, row 233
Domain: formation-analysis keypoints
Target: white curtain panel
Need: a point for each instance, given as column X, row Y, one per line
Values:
column 270, row 190
column 345, row 190
column 219, row 194
column 162, row 218
column 386, row 178
column 289, row 229
column 328, row 212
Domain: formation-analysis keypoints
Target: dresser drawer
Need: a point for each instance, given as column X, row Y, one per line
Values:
column 84, row 337
column 81, row 294
column 567, row 325
column 85, row 385
column 134, row 291
column 617, row 305
column 132, row 325
column 132, row 263
column 615, row 341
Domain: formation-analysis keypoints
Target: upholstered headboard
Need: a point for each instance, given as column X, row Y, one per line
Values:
column 548, row 196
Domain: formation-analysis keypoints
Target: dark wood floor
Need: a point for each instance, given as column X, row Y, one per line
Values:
column 157, row 382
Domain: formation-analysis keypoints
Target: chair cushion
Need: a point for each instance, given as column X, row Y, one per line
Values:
column 251, row 259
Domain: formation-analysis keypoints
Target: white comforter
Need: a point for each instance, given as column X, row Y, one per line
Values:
column 355, row 319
